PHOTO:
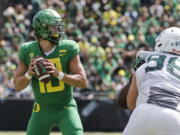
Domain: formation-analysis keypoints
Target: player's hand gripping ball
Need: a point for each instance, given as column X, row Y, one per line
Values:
column 40, row 71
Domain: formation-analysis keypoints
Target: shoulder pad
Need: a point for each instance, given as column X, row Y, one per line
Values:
column 143, row 54
column 141, row 58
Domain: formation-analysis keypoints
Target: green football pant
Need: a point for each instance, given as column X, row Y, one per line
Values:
column 43, row 119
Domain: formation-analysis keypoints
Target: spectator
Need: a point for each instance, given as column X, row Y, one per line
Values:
column 109, row 33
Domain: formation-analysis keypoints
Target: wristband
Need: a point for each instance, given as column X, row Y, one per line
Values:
column 28, row 76
column 60, row 76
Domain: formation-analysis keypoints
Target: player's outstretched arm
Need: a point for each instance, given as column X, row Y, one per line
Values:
column 132, row 94
column 22, row 76
column 122, row 96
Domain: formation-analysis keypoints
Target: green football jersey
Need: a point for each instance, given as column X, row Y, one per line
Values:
column 55, row 91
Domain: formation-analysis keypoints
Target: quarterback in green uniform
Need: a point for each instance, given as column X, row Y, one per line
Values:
column 54, row 104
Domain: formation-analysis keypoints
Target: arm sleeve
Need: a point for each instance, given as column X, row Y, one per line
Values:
column 74, row 49
column 22, row 54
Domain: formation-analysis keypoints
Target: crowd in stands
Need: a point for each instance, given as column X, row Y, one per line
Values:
column 109, row 33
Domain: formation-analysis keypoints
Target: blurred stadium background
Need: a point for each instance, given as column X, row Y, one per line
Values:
column 109, row 34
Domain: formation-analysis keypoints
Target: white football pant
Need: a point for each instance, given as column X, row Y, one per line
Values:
column 148, row 119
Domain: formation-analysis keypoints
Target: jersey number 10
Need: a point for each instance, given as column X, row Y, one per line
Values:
column 48, row 87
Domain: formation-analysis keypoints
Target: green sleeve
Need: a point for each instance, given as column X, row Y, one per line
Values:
column 22, row 53
column 74, row 49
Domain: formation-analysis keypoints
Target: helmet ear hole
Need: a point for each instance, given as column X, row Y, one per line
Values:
column 159, row 45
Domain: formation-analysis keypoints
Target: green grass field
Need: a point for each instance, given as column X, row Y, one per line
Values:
column 57, row 133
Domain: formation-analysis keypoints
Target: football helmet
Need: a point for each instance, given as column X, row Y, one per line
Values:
column 47, row 24
column 168, row 41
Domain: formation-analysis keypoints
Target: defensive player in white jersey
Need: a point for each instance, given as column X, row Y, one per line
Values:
column 154, row 93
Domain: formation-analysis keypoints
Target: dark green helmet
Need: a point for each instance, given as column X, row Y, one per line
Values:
column 47, row 25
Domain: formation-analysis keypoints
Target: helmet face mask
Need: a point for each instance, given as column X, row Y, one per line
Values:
column 47, row 25
column 55, row 32
column 168, row 41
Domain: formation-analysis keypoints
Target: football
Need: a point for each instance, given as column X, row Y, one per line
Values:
column 40, row 70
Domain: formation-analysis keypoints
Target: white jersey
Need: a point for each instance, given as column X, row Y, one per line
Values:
column 158, row 79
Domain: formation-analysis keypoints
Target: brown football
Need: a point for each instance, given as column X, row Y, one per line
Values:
column 40, row 70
